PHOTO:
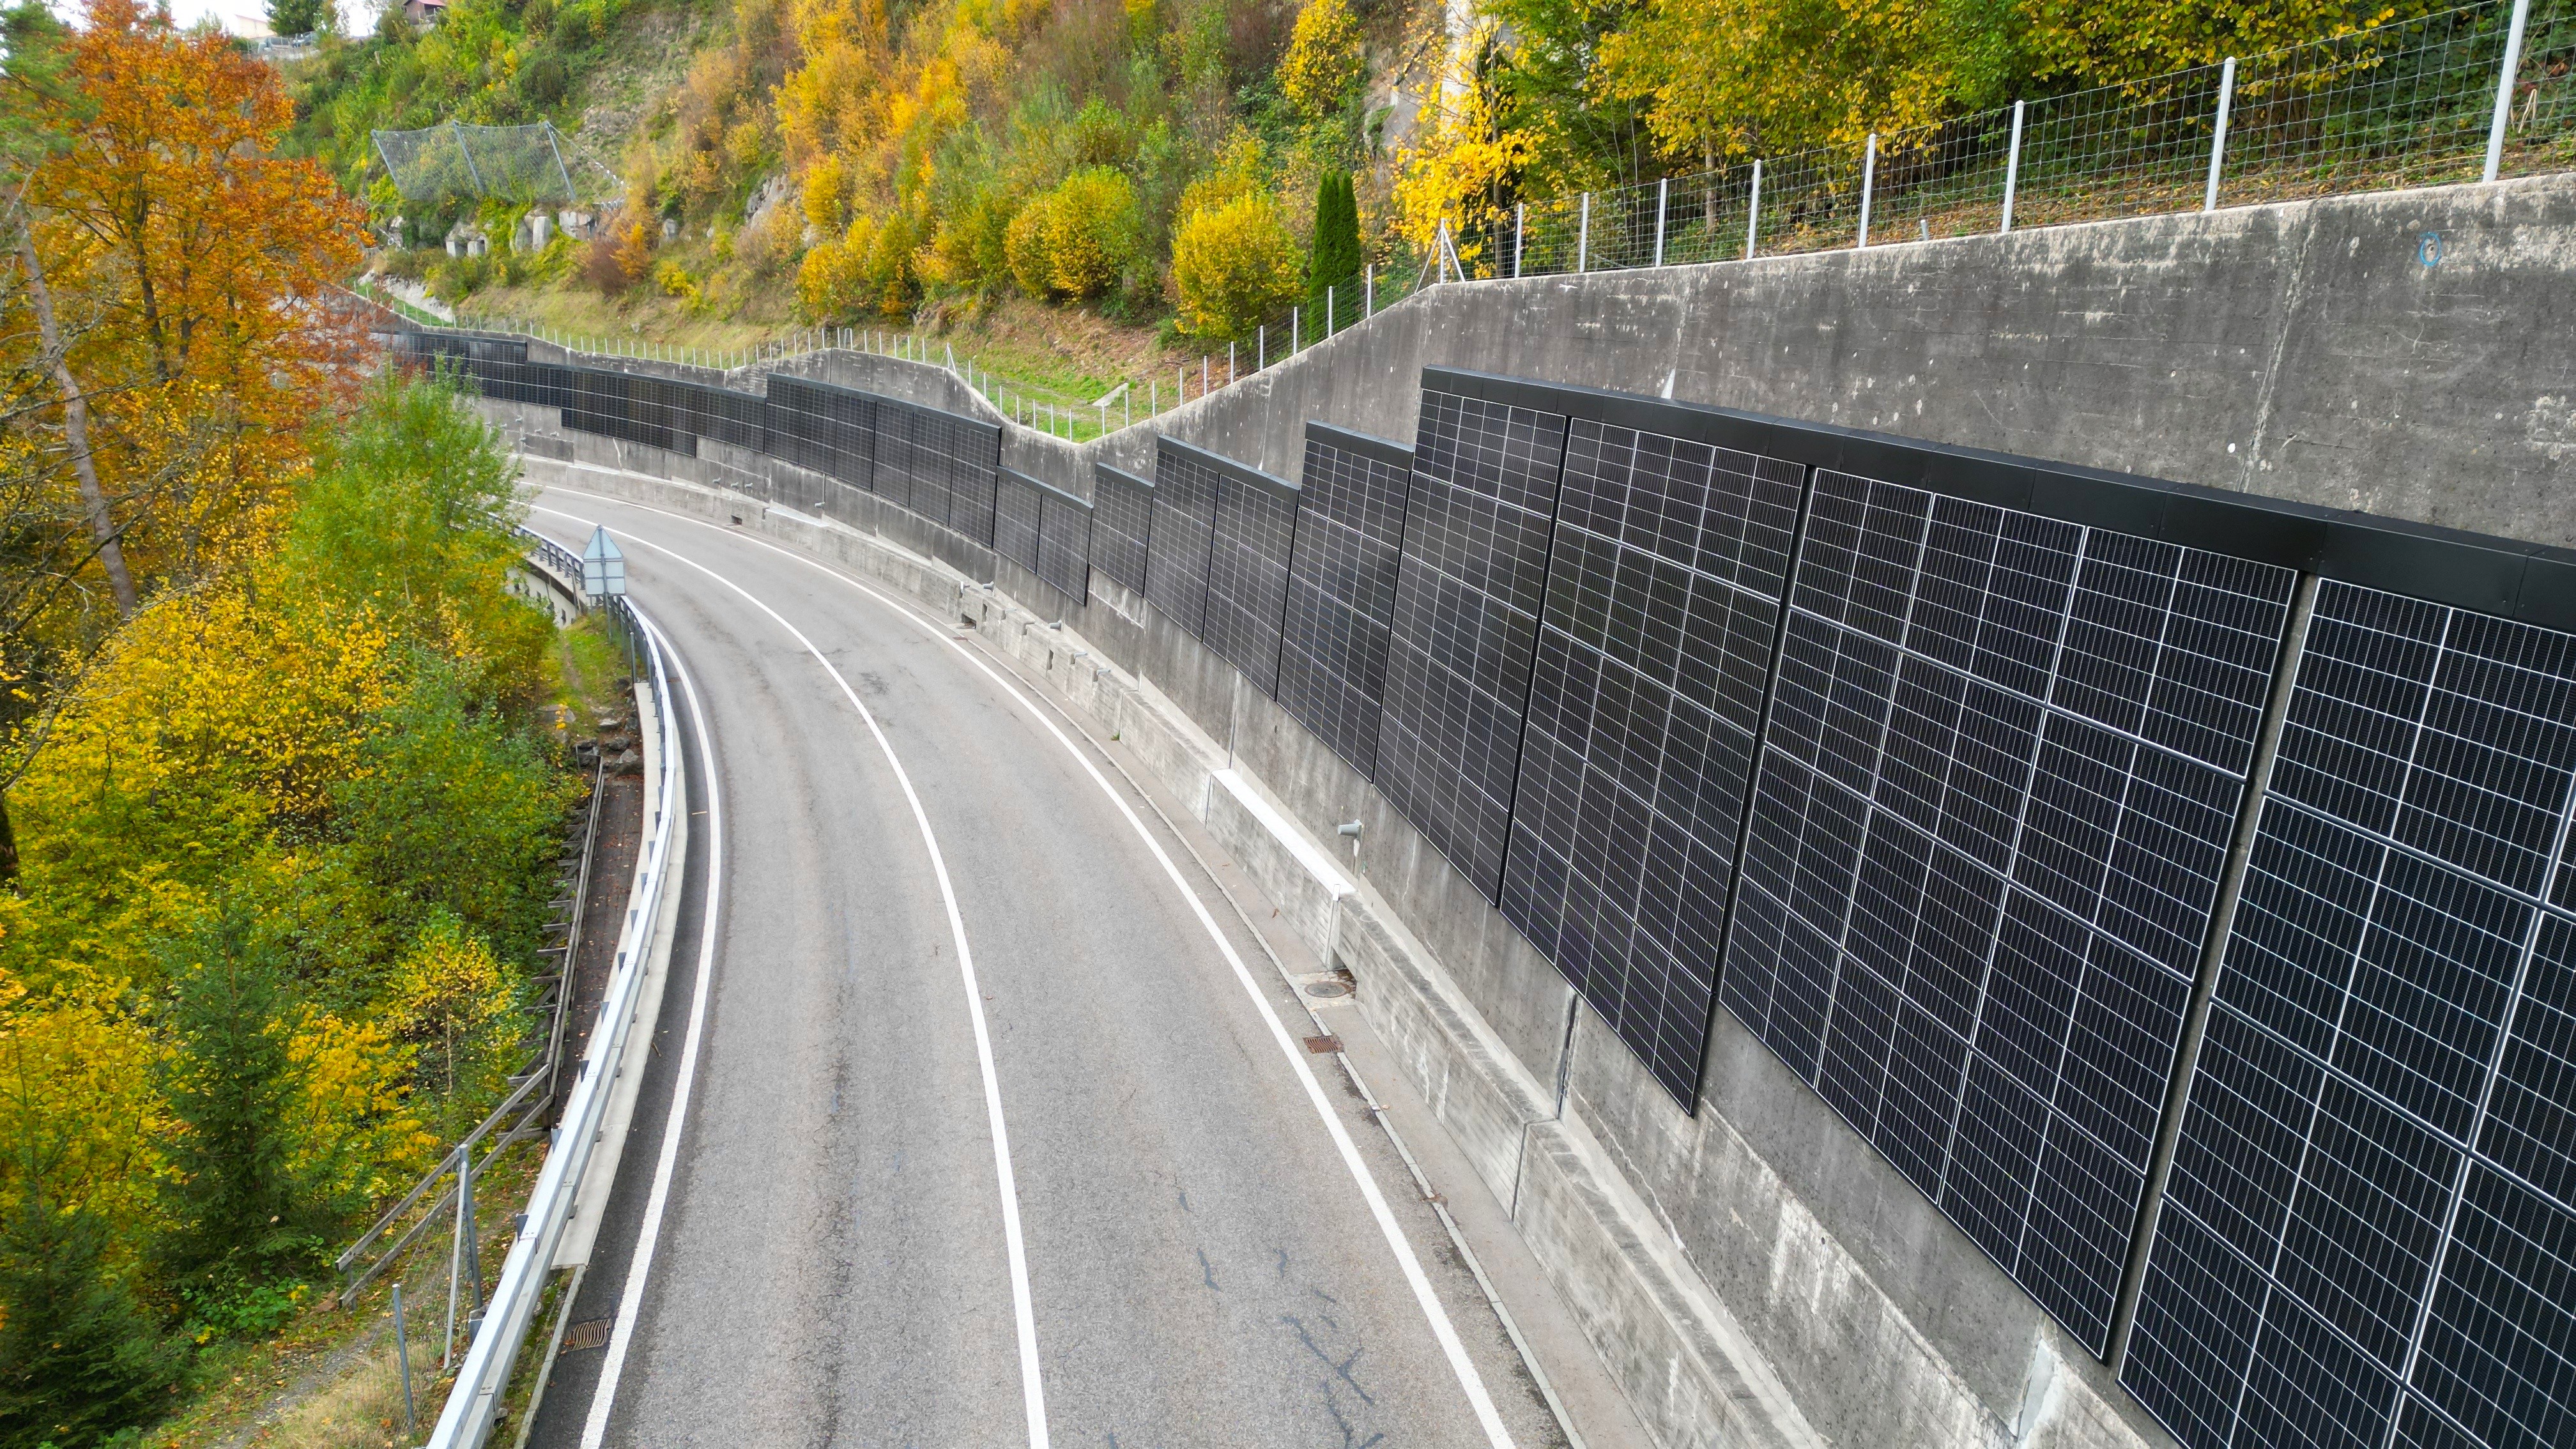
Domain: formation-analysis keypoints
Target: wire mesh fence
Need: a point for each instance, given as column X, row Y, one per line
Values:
column 2416, row 102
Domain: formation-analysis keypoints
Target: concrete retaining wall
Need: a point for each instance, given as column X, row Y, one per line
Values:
column 1755, row 1272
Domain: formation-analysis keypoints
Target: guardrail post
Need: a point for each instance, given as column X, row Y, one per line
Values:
column 1868, row 183
column 1583, row 235
column 1753, row 212
column 1663, row 195
column 1520, row 230
column 2012, row 168
column 2218, row 137
column 2504, row 88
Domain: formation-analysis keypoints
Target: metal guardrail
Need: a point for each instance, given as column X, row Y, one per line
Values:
column 474, row 1403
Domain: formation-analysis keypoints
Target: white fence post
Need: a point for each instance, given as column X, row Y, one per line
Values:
column 1294, row 332
column 1753, row 212
column 1261, row 347
column 2218, row 137
column 2504, row 87
column 2012, row 167
column 1368, row 291
column 1520, row 229
column 1583, row 235
column 1663, row 194
column 1868, row 181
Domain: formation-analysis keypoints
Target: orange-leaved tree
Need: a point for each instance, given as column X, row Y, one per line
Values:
column 191, row 271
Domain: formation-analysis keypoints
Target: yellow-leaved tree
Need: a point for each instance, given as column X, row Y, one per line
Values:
column 1322, row 71
column 1234, row 266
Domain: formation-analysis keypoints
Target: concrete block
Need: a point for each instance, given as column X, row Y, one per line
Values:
column 1689, row 1371
column 1482, row 1097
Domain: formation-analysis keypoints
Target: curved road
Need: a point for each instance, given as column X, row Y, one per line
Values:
column 1218, row 1247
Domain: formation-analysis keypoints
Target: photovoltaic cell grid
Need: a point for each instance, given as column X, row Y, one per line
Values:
column 827, row 429
column 2002, row 769
column 1015, row 519
column 2369, row 1232
column 1467, row 595
column 1184, row 526
column 973, row 451
column 1247, row 591
column 1122, row 523
column 1064, row 543
column 1663, row 600
column 1341, row 589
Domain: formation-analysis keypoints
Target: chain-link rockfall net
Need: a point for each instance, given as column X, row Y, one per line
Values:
column 530, row 164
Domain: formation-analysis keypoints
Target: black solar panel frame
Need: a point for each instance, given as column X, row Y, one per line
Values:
column 1479, row 510
column 2376, row 1153
column 1921, row 953
column 1186, row 484
column 1015, row 519
column 1064, row 543
column 1656, row 647
column 1122, row 524
column 1254, row 526
column 1341, row 588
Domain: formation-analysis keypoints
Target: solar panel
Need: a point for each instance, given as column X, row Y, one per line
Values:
column 1015, row 520
column 1184, row 529
column 1477, row 516
column 1997, row 786
column 1256, row 518
column 1064, row 543
column 1663, row 599
column 2369, row 1229
column 1341, row 588
column 1122, row 524
column 972, row 450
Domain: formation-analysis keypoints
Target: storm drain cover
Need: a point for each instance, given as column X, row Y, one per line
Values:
column 1327, row 988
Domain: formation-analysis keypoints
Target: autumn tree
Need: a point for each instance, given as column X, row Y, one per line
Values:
column 190, row 274
column 1724, row 78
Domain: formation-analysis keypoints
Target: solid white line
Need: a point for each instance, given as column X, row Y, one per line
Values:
column 1023, row 1306
column 594, row 1429
column 1446, row 1332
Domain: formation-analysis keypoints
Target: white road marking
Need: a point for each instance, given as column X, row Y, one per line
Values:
column 1442, row 1329
column 595, row 1428
column 1023, row 1306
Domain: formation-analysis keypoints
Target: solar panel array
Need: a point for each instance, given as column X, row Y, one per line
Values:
column 1256, row 520
column 1341, row 588
column 2002, row 758
column 1184, row 529
column 2370, row 1225
column 1015, row 519
column 1467, row 595
column 2002, row 771
column 1663, row 597
column 1064, row 544
column 1122, row 524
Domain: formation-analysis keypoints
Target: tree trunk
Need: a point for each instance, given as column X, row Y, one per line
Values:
column 111, row 554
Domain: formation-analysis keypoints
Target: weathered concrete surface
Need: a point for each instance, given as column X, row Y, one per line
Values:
column 1760, row 1240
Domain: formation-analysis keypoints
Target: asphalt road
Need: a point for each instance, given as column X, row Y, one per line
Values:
column 1202, row 1262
